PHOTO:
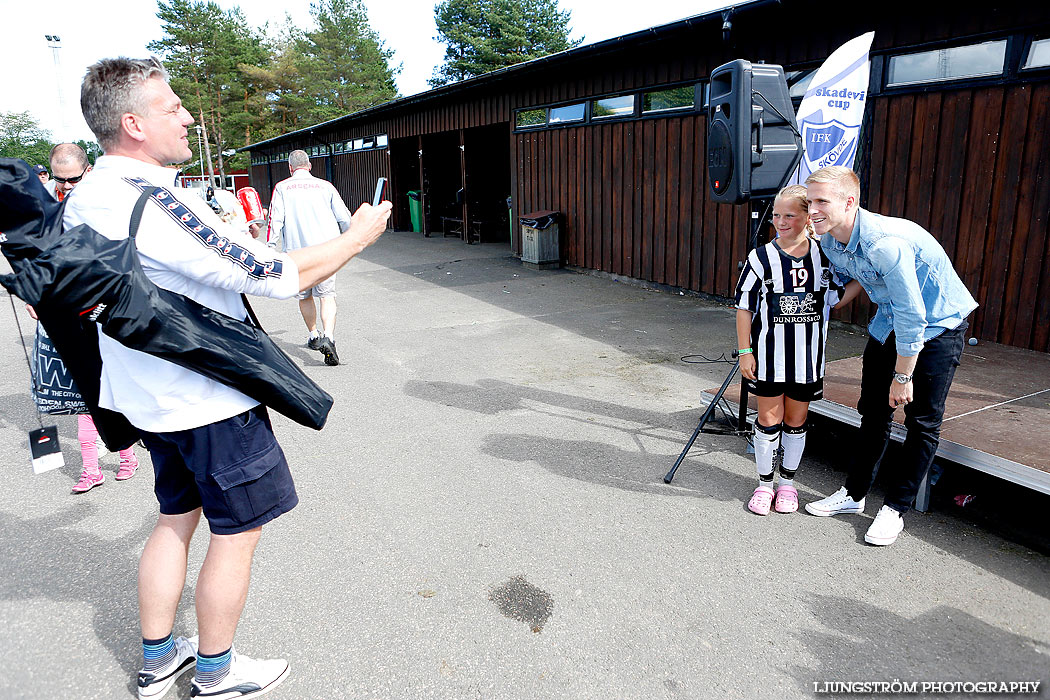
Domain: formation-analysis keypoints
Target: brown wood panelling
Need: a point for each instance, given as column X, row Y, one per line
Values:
column 970, row 164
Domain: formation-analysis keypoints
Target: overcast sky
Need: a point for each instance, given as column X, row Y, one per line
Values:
column 94, row 29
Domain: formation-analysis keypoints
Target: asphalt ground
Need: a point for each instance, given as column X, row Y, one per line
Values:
column 484, row 516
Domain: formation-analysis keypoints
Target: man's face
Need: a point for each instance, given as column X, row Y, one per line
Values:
column 164, row 124
column 828, row 208
column 67, row 175
column 43, row 177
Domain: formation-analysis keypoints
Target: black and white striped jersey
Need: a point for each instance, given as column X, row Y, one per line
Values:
column 791, row 299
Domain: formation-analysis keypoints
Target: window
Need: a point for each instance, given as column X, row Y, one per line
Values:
column 381, row 141
column 359, row 144
column 569, row 113
column 622, row 106
column 1038, row 55
column 532, row 117
column 973, row 61
column 663, row 100
column 369, row 142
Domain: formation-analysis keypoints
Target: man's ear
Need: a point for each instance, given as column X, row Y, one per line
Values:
column 129, row 124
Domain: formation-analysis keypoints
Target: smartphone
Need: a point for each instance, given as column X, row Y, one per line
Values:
column 380, row 191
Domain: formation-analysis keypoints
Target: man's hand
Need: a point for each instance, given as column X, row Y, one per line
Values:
column 901, row 394
column 32, row 312
column 748, row 365
column 368, row 223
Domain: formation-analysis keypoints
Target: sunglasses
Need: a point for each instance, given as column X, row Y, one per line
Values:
column 70, row 180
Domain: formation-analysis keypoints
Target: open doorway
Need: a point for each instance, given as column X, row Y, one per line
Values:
column 487, row 151
column 404, row 176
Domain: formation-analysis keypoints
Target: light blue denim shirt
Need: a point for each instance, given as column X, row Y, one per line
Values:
column 907, row 273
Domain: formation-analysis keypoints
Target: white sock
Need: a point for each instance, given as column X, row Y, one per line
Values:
column 314, row 334
column 794, row 442
column 766, row 444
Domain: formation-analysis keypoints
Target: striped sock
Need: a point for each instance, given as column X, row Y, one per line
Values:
column 157, row 653
column 212, row 669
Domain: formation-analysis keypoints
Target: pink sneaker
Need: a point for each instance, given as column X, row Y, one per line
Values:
column 127, row 468
column 88, row 481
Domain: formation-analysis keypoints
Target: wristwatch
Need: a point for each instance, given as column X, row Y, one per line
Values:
column 901, row 378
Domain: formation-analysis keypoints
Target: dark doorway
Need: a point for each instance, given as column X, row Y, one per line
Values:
column 442, row 181
column 487, row 151
column 404, row 176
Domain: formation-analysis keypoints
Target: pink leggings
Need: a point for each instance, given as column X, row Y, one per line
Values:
column 87, row 433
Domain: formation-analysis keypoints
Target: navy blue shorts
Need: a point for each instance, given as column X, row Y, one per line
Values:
column 233, row 469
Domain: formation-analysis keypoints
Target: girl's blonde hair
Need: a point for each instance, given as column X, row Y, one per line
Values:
column 797, row 195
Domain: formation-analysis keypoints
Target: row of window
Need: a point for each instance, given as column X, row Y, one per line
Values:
column 683, row 98
column 982, row 60
column 365, row 143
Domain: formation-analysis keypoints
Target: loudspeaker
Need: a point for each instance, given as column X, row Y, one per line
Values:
column 753, row 142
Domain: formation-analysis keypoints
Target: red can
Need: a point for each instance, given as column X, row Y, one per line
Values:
column 251, row 204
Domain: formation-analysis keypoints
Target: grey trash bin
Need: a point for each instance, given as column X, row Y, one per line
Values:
column 540, row 242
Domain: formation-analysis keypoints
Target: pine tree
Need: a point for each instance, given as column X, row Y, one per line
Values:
column 485, row 35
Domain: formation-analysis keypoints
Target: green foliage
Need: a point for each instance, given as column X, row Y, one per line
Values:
column 22, row 137
column 485, row 35
column 245, row 86
column 343, row 65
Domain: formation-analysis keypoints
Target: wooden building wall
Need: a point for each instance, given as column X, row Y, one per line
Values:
column 969, row 163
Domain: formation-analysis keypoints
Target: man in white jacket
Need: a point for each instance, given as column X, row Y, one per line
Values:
column 305, row 211
column 212, row 447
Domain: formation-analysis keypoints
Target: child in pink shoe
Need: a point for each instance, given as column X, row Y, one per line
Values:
column 784, row 299
column 92, row 475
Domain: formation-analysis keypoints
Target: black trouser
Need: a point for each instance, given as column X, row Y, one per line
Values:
column 934, row 371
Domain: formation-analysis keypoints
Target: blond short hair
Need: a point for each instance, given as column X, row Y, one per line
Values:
column 797, row 195
column 844, row 180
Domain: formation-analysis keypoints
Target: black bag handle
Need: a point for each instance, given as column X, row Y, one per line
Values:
column 133, row 229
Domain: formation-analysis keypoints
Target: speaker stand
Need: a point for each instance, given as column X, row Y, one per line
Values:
column 763, row 204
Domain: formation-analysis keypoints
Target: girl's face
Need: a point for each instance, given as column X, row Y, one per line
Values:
column 789, row 218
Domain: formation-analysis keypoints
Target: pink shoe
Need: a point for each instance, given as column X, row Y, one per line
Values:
column 88, row 481
column 787, row 499
column 127, row 468
column 761, row 500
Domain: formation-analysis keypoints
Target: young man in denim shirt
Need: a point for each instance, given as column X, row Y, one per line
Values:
column 916, row 340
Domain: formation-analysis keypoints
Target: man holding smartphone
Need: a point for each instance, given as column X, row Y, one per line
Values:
column 305, row 211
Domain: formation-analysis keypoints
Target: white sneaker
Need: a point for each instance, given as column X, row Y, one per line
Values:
column 153, row 685
column 248, row 678
column 888, row 524
column 835, row 504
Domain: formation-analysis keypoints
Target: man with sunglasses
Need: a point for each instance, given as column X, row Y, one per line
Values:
column 69, row 164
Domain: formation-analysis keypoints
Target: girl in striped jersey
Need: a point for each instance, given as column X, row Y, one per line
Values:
column 784, row 299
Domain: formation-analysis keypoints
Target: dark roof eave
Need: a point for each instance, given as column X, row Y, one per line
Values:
column 595, row 49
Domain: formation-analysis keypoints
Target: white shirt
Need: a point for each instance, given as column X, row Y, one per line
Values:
column 305, row 211
column 209, row 262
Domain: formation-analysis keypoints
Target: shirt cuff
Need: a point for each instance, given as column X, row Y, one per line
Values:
column 905, row 349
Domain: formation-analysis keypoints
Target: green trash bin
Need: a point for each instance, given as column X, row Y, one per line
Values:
column 415, row 209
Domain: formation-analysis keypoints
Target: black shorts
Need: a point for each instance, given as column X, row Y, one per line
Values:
column 792, row 390
column 233, row 469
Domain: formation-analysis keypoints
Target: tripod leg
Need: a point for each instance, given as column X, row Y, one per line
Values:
column 703, row 420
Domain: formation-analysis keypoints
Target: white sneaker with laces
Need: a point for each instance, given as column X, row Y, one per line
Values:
column 835, row 504
column 152, row 686
column 248, row 678
column 888, row 524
